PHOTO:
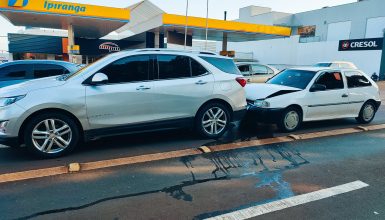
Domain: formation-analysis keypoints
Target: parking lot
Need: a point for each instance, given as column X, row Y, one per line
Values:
column 236, row 176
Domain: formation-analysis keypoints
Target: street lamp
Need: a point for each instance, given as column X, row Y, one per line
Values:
column 185, row 28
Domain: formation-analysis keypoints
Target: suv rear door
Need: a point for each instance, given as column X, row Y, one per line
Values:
column 182, row 85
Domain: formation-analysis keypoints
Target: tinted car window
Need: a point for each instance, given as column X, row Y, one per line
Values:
column 129, row 69
column 356, row 79
column 332, row 80
column 259, row 70
column 225, row 65
column 197, row 69
column 46, row 70
column 14, row 72
column 245, row 69
column 171, row 67
column 293, row 78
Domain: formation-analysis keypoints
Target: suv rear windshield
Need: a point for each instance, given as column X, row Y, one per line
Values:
column 226, row 65
column 293, row 78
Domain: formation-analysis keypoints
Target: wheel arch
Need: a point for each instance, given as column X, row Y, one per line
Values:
column 216, row 100
column 297, row 107
column 49, row 110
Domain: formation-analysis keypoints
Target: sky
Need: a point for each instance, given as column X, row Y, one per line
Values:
column 198, row 8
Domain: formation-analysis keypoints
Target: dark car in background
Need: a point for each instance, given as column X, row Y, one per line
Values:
column 19, row 71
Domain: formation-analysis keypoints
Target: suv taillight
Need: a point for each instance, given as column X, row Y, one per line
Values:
column 241, row 81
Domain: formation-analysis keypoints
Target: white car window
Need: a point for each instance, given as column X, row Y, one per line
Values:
column 245, row 69
column 356, row 79
column 259, row 70
column 331, row 80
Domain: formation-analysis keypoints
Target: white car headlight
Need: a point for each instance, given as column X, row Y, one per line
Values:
column 261, row 103
column 10, row 100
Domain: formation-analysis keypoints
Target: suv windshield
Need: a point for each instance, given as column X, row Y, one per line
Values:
column 293, row 78
column 226, row 65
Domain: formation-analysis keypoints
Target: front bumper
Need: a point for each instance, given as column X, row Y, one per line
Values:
column 9, row 141
column 239, row 115
column 267, row 115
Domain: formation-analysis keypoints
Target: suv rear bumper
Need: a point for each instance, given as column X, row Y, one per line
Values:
column 239, row 115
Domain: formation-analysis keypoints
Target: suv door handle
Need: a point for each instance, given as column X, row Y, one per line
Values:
column 141, row 88
column 345, row 95
column 201, row 82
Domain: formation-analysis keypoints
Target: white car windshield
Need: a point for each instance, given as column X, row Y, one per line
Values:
column 293, row 78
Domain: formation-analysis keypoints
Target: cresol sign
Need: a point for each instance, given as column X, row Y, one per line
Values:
column 361, row 44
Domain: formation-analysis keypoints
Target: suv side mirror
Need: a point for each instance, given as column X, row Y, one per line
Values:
column 317, row 87
column 99, row 79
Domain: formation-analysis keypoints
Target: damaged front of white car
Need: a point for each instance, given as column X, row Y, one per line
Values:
column 312, row 94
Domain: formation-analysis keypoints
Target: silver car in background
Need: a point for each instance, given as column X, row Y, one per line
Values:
column 126, row 92
column 256, row 72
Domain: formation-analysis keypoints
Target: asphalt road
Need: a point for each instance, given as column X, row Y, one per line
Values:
column 198, row 187
column 13, row 160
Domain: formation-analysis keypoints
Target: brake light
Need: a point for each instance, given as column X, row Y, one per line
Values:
column 241, row 81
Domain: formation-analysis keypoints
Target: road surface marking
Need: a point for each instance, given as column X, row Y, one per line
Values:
column 124, row 161
column 290, row 202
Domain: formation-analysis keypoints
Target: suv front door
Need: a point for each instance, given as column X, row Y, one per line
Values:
column 331, row 103
column 182, row 85
column 127, row 98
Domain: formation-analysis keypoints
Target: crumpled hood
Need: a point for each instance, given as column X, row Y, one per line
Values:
column 264, row 90
column 31, row 85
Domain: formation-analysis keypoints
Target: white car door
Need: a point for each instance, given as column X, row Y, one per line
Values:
column 330, row 103
column 359, row 90
column 179, row 89
column 127, row 98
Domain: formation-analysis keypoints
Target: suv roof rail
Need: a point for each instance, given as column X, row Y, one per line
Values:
column 174, row 50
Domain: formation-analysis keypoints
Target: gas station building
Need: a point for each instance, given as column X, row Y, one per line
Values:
column 93, row 31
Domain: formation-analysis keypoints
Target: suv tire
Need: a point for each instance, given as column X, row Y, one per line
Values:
column 51, row 135
column 212, row 120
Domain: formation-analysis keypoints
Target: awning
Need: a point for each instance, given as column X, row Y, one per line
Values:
column 89, row 21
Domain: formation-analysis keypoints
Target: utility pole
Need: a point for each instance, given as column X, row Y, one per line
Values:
column 382, row 67
column 224, row 40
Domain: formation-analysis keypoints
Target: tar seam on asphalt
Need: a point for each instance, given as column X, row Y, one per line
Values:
column 223, row 162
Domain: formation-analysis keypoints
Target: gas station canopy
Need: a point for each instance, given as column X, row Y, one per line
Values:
column 236, row 31
column 88, row 21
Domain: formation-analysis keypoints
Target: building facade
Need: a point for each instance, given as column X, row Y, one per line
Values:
column 317, row 35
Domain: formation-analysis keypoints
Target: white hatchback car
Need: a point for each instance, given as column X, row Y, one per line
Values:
column 312, row 94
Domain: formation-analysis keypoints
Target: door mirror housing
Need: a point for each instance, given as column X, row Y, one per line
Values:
column 317, row 87
column 99, row 79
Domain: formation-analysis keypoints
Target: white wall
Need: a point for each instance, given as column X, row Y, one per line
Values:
column 288, row 51
column 339, row 31
column 375, row 27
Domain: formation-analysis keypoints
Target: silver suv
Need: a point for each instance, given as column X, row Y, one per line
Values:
column 126, row 92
